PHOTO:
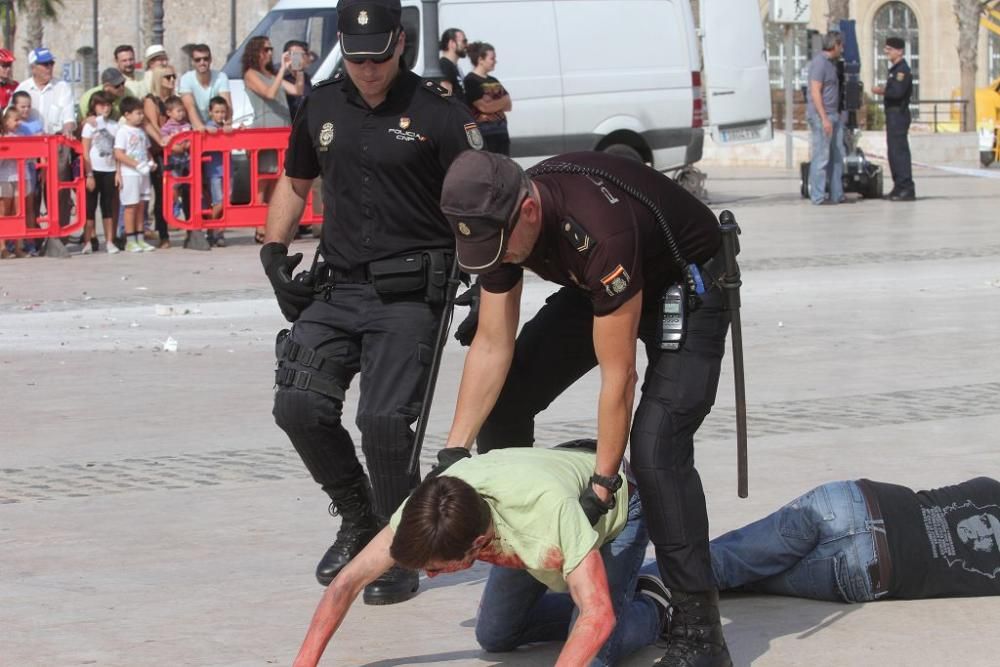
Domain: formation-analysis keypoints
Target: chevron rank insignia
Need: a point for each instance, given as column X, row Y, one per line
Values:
column 577, row 235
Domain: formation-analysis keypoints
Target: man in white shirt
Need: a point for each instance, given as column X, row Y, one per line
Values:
column 51, row 101
column 198, row 86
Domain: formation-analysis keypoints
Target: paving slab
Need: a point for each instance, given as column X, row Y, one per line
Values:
column 151, row 513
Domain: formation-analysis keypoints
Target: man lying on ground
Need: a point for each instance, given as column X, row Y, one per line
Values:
column 859, row 541
column 519, row 509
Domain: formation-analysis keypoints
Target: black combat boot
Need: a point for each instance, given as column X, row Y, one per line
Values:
column 695, row 638
column 358, row 525
column 395, row 585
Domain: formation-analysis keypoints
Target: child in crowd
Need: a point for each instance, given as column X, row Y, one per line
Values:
column 26, row 127
column 134, row 165
column 218, row 110
column 179, row 160
column 8, row 181
column 100, row 168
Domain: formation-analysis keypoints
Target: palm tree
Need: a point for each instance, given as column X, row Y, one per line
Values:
column 36, row 12
column 968, row 13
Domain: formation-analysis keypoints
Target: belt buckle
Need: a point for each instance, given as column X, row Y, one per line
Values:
column 302, row 380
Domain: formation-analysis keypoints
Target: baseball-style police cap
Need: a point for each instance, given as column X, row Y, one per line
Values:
column 895, row 43
column 368, row 29
column 40, row 56
column 481, row 197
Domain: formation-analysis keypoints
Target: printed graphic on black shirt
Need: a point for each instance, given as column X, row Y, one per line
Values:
column 966, row 536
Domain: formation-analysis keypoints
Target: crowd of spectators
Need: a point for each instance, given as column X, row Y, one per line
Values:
column 125, row 125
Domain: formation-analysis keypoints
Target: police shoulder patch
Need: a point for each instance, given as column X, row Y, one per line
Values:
column 577, row 235
column 900, row 76
column 616, row 282
column 474, row 136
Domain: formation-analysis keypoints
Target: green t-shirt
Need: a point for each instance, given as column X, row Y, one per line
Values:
column 85, row 104
column 534, row 498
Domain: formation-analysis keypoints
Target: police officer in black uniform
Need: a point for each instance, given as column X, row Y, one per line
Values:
column 581, row 229
column 896, row 97
column 382, row 139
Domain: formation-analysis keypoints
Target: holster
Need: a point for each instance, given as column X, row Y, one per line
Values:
column 423, row 273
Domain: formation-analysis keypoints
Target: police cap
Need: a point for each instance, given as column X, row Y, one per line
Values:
column 895, row 43
column 368, row 28
column 481, row 197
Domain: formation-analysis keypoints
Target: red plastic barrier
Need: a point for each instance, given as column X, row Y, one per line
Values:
column 240, row 207
column 25, row 215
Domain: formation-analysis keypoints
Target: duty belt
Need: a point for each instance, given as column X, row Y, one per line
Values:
column 880, row 572
column 357, row 275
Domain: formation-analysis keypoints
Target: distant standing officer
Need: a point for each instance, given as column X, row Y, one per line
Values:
column 896, row 96
column 381, row 139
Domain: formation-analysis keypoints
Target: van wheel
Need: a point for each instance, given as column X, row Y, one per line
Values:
column 625, row 151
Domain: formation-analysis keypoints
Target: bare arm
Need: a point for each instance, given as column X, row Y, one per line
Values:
column 152, row 124
column 88, row 168
column 285, row 210
column 255, row 82
column 816, row 93
column 492, row 106
column 614, row 345
column 363, row 569
column 124, row 159
column 194, row 117
column 487, row 364
column 588, row 585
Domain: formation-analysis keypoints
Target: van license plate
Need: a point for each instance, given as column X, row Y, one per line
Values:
column 743, row 134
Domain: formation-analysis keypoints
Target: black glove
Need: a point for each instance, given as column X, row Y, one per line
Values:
column 448, row 457
column 466, row 331
column 293, row 296
column 593, row 506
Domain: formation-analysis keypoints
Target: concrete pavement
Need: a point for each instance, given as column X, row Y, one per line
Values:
column 152, row 514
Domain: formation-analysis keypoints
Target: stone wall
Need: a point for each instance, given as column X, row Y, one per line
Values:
column 130, row 22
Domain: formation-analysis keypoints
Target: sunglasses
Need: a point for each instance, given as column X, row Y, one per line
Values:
column 6, row 64
column 268, row 49
column 46, row 64
column 203, row 59
column 364, row 57
column 168, row 77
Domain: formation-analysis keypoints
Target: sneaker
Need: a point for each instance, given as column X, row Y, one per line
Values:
column 86, row 249
column 132, row 246
column 653, row 588
column 112, row 249
column 145, row 246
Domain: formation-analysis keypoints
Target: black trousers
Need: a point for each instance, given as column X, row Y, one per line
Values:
column 897, row 128
column 390, row 345
column 555, row 348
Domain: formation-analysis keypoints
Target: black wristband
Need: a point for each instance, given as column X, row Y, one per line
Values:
column 612, row 484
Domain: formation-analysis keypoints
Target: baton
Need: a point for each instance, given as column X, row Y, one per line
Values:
column 731, row 285
column 442, row 337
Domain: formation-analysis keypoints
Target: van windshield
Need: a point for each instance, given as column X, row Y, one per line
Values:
column 316, row 27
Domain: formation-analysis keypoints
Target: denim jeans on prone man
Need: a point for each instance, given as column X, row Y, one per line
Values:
column 517, row 609
column 819, row 546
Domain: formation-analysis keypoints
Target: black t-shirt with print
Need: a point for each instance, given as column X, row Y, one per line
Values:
column 454, row 77
column 489, row 89
column 944, row 542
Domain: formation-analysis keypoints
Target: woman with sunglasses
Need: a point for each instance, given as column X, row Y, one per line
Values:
column 268, row 92
column 163, row 83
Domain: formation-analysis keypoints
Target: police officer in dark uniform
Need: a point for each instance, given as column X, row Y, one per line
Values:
column 382, row 139
column 896, row 97
column 594, row 234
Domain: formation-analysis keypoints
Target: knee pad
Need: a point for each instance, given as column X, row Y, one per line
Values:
column 387, row 442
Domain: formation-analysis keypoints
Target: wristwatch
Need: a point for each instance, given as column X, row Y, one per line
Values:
column 612, row 484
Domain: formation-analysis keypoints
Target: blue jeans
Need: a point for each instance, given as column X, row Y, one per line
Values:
column 826, row 156
column 819, row 546
column 517, row 609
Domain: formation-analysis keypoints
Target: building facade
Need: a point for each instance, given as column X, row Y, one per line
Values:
column 928, row 26
column 71, row 36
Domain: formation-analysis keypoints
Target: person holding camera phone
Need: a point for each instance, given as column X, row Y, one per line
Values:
column 299, row 58
column 381, row 139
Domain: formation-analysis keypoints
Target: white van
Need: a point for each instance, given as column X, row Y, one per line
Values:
column 621, row 76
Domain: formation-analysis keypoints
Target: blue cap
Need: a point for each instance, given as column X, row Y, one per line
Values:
column 40, row 56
